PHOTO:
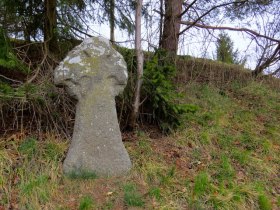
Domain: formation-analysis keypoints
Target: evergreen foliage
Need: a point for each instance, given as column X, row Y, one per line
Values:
column 225, row 51
column 7, row 58
column 160, row 99
column 161, row 94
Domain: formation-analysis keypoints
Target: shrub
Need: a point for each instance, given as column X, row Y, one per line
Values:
column 159, row 96
column 162, row 99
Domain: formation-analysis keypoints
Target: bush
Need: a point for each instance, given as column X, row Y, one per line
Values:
column 159, row 96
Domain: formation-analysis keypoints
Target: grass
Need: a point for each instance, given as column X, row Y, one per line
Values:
column 86, row 203
column 82, row 175
column 226, row 156
column 201, row 184
column 131, row 196
column 264, row 203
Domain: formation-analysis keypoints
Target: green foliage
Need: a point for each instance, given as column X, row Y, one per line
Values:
column 131, row 196
column 225, row 52
column 30, row 92
column 225, row 49
column 264, row 203
column 242, row 156
column 201, row 184
column 52, row 152
column 5, row 89
column 161, row 101
column 161, row 94
column 165, row 179
column 4, row 45
column 35, row 184
column 86, row 203
column 225, row 170
column 28, row 147
column 155, row 192
column 7, row 58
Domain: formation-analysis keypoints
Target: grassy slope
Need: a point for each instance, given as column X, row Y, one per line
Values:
column 227, row 156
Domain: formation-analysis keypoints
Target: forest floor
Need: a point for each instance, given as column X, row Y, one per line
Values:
column 226, row 156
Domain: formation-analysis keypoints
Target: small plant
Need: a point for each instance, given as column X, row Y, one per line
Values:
column 155, row 192
column 225, row 171
column 131, row 196
column 36, row 187
column 160, row 92
column 242, row 156
column 266, row 146
column 86, row 203
column 165, row 179
column 28, row 147
column 201, row 184
column 264, row 202
column 53, row 151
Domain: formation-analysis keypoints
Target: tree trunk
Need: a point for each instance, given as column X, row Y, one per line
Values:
column 50, row 34
column 112, row 20
column 140, row 60
column 267, row 62
column 171, row 27
column 160, row 21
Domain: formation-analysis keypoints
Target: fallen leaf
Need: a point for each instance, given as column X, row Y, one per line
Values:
column 109, row 193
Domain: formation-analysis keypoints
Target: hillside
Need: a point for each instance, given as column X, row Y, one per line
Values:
column 226, row 155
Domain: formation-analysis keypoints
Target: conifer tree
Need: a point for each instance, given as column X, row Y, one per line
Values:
column 224, row 50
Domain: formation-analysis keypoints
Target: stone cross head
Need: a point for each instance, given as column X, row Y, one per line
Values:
column 93, row 62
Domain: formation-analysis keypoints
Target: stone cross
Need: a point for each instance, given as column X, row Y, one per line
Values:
column 94, row 73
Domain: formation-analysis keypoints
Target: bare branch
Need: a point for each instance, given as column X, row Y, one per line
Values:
column 12, row 80
column 208, row 12
column 248, row 31
column 268, row 62
column 39, row 66
column 187, row 8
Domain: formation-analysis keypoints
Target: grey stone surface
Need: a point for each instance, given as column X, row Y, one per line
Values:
column 94, row 73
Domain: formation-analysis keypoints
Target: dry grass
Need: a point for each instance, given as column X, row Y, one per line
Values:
column 226, row 156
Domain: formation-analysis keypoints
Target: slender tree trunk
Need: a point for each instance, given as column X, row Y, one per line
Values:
column 112, row 20
column 140, row 60
column 160, row 21
column 171, row 27
column 50, row 34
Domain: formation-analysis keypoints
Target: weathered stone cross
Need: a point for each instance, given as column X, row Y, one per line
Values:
column 94, row 73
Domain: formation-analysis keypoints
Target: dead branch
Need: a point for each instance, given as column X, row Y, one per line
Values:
column 12, row 80
column 39, row 66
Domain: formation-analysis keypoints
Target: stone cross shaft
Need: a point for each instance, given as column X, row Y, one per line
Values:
column 94, row 73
